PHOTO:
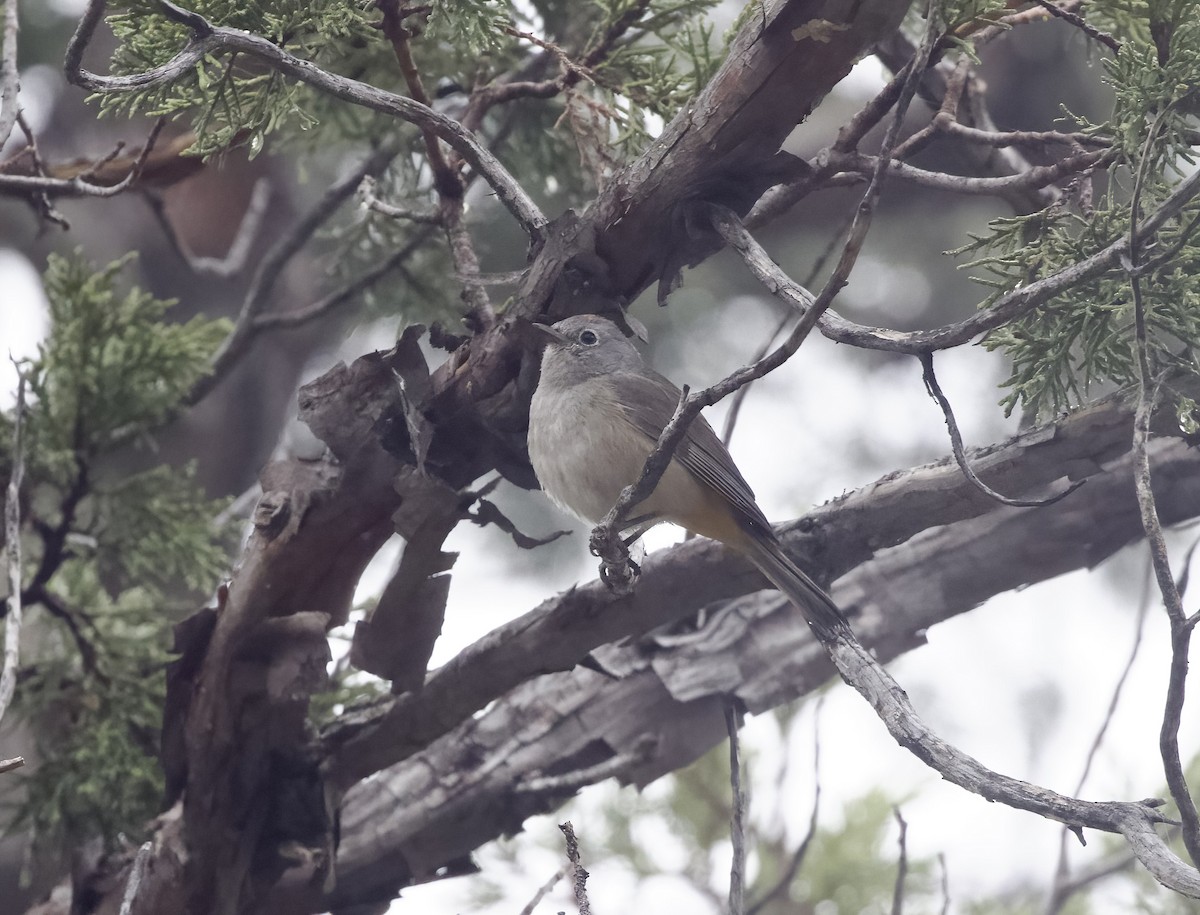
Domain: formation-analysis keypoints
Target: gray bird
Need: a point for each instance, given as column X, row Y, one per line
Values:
column 596, row 416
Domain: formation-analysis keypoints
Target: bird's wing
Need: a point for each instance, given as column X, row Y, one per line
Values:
column 650, row 401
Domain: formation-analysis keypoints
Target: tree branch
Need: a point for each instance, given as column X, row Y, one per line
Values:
column 780, row 889
column 1181, row 627
column 1080, row 23
column 1064, row 887
column 956, row 443
column 579, row 875
column 208, row 39
column 605, row 538
column 12, row 540
column 9, row 74
column 327, row 304
column 1005, row 307
column 737, row 817
column 83, row 185
column 851, row 531
column 901, row 864
column 1035, row 177
column 234, row 261
column 409, row 821
column 270, row 268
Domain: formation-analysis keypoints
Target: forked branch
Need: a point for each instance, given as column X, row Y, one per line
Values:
column 208, row 39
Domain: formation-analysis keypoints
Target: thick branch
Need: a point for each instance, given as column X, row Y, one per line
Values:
column 9, row 74
column 832, row 540
column 756, row 648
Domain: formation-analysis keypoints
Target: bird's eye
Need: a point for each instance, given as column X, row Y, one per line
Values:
column 588, row 338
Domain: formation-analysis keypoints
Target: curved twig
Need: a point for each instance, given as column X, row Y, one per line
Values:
column 12, row 541
column 1135, row 821
column 249, row 323
column 235, row 259
column 960, row 454
column 209, row 39
column 82, row 185
column 737, row 816
column 1006, row 307
column 1149, row 389
column 1037, row 176
column 1080, row 23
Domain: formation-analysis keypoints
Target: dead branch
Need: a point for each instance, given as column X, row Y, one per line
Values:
column 12, row 540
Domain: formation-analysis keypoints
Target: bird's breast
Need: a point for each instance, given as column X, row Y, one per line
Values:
column 582, row 448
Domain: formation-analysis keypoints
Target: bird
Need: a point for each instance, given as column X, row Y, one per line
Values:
column 596, row 415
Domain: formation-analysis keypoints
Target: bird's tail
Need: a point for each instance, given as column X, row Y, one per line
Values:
column 823, row 615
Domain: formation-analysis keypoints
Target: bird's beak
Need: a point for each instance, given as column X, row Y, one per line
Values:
column 547, row 334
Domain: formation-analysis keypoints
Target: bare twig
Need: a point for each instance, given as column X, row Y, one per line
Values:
column 901, row 864
column 7, row 765
column 1101, row 870
column 945, row 873
column 1006, row 307
column 1063, row 886
column 328, row 304
column 258, row 294
column 544, row 889
column 739, row 396
column 780, row 888
column 1181, row 627
column 209, row 40
column 9, row 74
column 445, row 177
column 1005, row 138
column 82, row 184
column 1135, row 821
column 136, row 873
column 579, row 875
column 12, row 539
column 1080, row 23
column 39, row 200
column 737, row 816
column 238, row 254
column 366, row 193
column 1005, row 24
column 960, row 454
column 466, row 263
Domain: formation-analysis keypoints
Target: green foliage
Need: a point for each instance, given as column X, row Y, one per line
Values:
column 110, row 551
column 96, row 725
column 158, row 530
column 1085, row 336
column 476, row 26
column 110, row 364
column 229, row 99
column 855, row 864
